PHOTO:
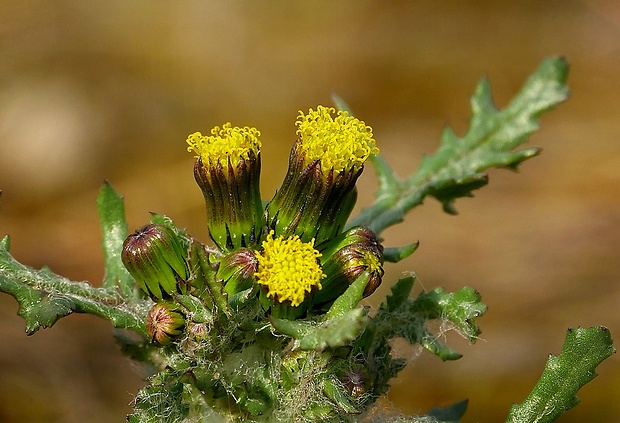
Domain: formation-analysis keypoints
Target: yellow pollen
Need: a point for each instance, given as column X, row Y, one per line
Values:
column 341, row 143
column 371, row 261
column 225, row 143
column 289, row 268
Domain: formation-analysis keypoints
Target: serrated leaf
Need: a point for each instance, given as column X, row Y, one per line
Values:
column 564, row 375
column 45, row 297
column 114, row 230
column 462, row 308
column 400, row 292
column 457, row 167
column 432, row 343
column 408, row 318
column 332, row 333
column 446, row 191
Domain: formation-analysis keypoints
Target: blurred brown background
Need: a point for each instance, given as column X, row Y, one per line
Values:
column 109, row 90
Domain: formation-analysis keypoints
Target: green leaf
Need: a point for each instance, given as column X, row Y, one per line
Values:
column 408, row 318
column 45, row 297
column 332, row 333
column 564, row 375
column 457, row 167
column 209, row 288
column 462, row 308
column 449, row 414
column 161, row 401
column 396, row 254
column 114, row 231
column 334, row 392
column 350, row 298
column 5, row 243
column 195, row 309
column 400, row 292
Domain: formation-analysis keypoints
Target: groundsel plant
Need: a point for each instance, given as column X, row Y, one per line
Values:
column 262, row 322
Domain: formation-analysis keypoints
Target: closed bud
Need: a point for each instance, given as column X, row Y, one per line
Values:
column 164, row 323
column 356, row 380
column 154, row 256
column 237, row 270
column 199, row 331
column 345, row 258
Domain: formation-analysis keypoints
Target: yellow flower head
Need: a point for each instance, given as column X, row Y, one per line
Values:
column 225, row 143
column 288, row 268
column 340, row 142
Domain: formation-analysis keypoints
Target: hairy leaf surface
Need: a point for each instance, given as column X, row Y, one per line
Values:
column 457, row 167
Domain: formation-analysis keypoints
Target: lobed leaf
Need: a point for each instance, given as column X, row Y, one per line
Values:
column 400, row 292
column 564, row 375
column 461, row 308
column 457, row 167
column 401, row 316
column 332, row 333
column 45, row 297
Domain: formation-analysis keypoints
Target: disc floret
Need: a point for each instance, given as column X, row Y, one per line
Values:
column 288, row 269
column 341, row 142
column 225, row 144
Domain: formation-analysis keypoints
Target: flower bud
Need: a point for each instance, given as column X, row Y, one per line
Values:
column 237, row 270
column 318, row 192
column 227, row 169
column 154, row 256
column 345, row 258
column 164, row 323
column 355, row 380
column 199, row 331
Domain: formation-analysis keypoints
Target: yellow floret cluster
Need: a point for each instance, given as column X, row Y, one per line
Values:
column 225, row 143
column 371, row 261
column 288, row 268
column 341, row 143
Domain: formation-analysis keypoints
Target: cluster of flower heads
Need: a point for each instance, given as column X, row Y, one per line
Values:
column 294, row 254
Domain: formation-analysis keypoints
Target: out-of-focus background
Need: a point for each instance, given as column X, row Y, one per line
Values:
column 110, row 90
